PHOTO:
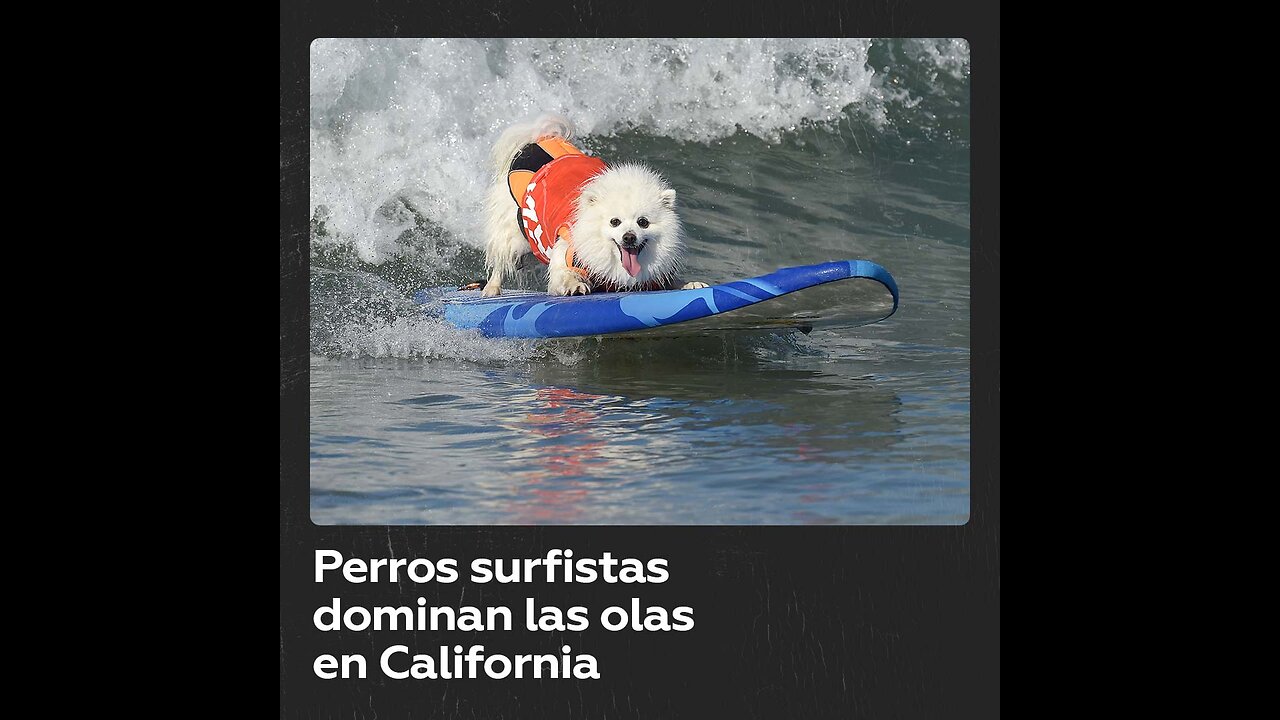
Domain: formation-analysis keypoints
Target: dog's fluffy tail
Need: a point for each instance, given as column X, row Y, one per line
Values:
column 523, row 133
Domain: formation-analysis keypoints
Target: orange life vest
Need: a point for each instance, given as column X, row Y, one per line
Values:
column 546, row 178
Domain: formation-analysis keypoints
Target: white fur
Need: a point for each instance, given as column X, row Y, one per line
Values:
column 627, row 192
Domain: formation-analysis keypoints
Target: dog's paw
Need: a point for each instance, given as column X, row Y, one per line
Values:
column 566, row 283
column 491, row 290
column 695, row 285
column 572, row 287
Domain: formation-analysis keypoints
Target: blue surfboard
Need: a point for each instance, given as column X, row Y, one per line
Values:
column 800, row 297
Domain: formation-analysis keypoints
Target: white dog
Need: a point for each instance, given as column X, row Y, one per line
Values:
column 597, row 228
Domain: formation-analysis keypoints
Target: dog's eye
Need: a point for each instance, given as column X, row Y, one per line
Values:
column 615, row 222
column 643, row 222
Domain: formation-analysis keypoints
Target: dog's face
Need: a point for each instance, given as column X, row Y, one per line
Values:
column 626, row 230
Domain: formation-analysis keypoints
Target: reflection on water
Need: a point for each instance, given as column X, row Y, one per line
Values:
column 565, row 444
column 639, row 435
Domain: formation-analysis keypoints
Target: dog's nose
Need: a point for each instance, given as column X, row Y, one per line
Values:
column 628, row 238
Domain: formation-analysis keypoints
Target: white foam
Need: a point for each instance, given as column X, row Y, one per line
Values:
column 419, row 337
column 950, row 55
column 414, row 118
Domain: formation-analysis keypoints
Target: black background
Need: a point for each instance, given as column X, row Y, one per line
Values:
column 792, row 622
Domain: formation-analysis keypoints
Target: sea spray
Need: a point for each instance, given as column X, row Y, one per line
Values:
column 400, row 129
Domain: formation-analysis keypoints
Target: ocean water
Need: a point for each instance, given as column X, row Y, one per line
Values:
column 783, row 152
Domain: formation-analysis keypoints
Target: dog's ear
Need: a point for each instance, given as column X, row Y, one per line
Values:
column 590, row 196
column 668, row 197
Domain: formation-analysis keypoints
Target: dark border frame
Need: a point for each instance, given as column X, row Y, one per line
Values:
column 845, row 621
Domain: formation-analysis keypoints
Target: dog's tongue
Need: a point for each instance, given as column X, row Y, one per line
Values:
column 631, row 261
